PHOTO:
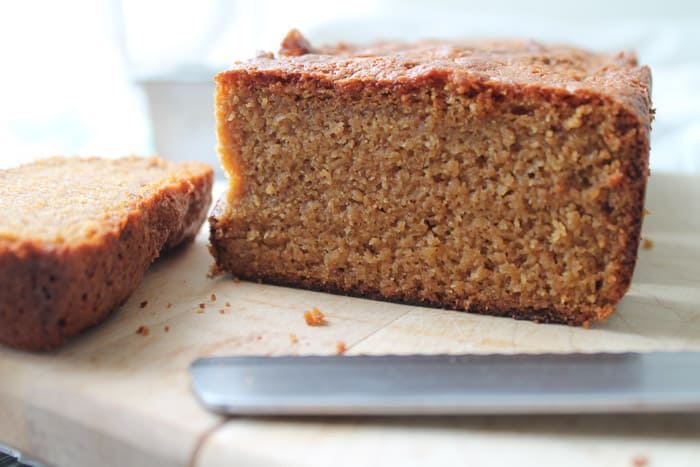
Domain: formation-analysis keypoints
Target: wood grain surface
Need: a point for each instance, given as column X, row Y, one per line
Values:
column 115, row 397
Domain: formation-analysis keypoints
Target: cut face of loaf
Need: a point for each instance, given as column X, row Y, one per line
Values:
column 77, row 235
column 498, row 178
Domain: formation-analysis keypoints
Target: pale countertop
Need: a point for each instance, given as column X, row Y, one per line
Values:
column 113, row 398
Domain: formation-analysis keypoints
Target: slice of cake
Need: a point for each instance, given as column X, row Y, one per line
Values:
column 76, row 236
column 504, row 178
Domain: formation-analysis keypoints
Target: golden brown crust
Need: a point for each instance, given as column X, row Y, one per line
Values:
column 52, row 290
column 506, row 65
column 294, row 45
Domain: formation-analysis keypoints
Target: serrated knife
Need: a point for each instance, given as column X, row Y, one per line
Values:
column 450, row 384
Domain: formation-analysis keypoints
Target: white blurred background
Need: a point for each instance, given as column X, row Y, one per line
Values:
column 114, row 77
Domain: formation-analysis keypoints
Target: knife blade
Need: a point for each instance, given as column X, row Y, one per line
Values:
column 12, row 458
column 449, row 384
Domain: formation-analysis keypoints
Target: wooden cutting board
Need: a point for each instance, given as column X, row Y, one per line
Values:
column 113, row 397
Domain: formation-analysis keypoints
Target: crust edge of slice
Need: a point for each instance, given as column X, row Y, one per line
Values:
column 53, row 292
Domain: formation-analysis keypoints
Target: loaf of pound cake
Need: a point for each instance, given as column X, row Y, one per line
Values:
column 77, row 235
column 504, row 178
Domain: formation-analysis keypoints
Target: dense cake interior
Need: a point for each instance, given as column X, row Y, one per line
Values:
column 62, row 200
column 441, row 186
column 430, row 193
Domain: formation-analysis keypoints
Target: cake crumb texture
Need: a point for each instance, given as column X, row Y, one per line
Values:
column 77, row 235
column 501, row 177
column 315, row 317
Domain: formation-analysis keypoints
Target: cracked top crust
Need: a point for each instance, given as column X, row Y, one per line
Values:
column 504, row 66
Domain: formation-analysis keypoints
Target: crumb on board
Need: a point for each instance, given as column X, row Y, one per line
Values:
column 144, row 303
column 314, row 317
column 293, row 338
column 202, row 306
column 586, row 325
column 340, row 347
column 214, row 271
column 647, row 244
column 213, row 297
column 228, row 305
column 640, row 461
column 166, row 328
column 222, row 311
column 169, row 305
column 143, row 330
column 646, row 212
column 200, row 311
